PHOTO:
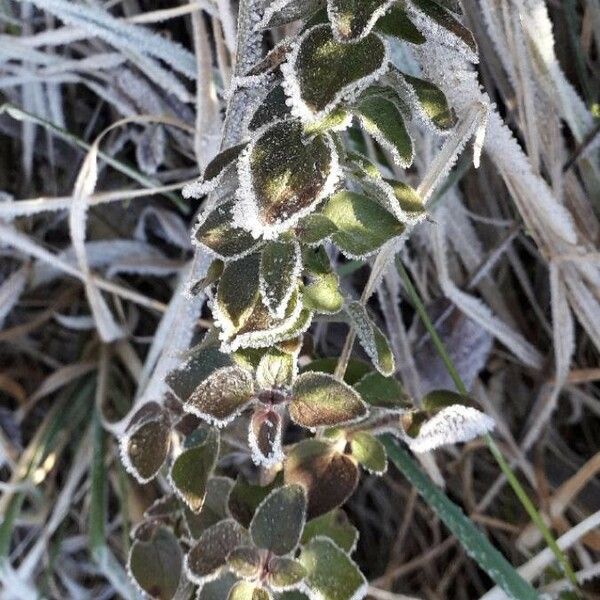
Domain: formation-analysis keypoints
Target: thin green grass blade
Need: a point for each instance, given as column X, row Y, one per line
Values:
column 472, row 539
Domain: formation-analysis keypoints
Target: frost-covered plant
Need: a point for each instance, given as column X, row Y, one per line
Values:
column 280, row 204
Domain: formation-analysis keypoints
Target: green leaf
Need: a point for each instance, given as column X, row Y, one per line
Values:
column 334, row 525
column 245, row 498
column 280, row 266
column 363, row 225
column 331, row 573
column 209, row 554
column 353, row 19
column 281, row 13
column 433, row 102
column 214, row 508
column 285, row 573
column 213, row 273
column 407, row 197
column 323, row 295
column 244, row 590
column 472, row 539
column 276, row 369
column 371, row 338
column 155, row 563
column 283, row 176
column 146, row 442
column 316, row 261
column 279, row 519
column 381, row 118
column 328, row 476
column 217, row 589
column 321, row 71
column 396, row 23
column 445, row 19
column 384, row 393
column 245, row 562
column 216, row 232
column 320, row 400
column 272, row 108
column 264, row 437
column 191, row 469
column 315, row 228
column 222, row 396
column 369, row 452
column 436, row 400
column 237, row 293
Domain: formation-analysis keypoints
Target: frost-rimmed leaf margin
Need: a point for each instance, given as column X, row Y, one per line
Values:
column 292, row 89
column 367, row 27
column 246, row 213
column 258, row 457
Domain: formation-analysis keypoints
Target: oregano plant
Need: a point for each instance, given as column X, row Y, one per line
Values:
column 279, row 206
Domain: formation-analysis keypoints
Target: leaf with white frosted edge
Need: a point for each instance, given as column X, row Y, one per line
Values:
column 320, row 400
column 335, row 526
column 384, row 393
column 215, row 232
column 331, row 573
column 315, row 228
column 396, row 23
column 245, row 498
column 280, row 267
column 191, row 470
column 372, row 339
column 272, row 108
column 271, row 61
column 146, row 442
column 279, row 519
column 213, row 172
column 155, row 564
column 363, row 225
column 264, row 438
column 381, row 119
column 352, row 20
column 431, row 18
column 323, row 295
column 246, row 590
column 451, row 425
column 217, row 589
column 276, row 369
column 283, row 177
column 316, row 261
column 282, row 12
column 362, row 165
column 208, row 556
column 237, row 294
column 222, row 396
column 369, row 452
column 214, row 508
column 436, row 400
column 321, row 72
column 245, row 562
column 328, row 476
column 433, row 101
column 285, row 574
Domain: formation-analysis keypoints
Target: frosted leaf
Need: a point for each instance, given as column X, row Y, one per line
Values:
column 155, row 563
column 146, row 442
column 279, row 519
column 285, row 574
column 323, row 295
column 380, row 117
column 321, row 72
column 316, row 261
column 213, row 172
column 335, row 526
column 213, row 274
column 328, row 476
column 396, row 23
column 191, row 470
column 369, row 452
column 383, row 393
column 363, row 225
column 237, row 294
column 273, row 59
column 282, row 179
column 222, row 396
column 218, row 588
column 245, row 590
column 280, row 267
column 214, row 508
column 276, row 369
column 282, row 12
column 272, row 108
column 352, row 20
column 264, row 438
column 363, row 164
column 206, row 559
column 437, row 23
column 331, row 573
column 451, row 425
column 246, row 562
column 371, row 338
column 315, row 228
column 215, row 232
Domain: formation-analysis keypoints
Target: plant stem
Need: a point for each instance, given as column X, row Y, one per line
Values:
column 493, row 447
